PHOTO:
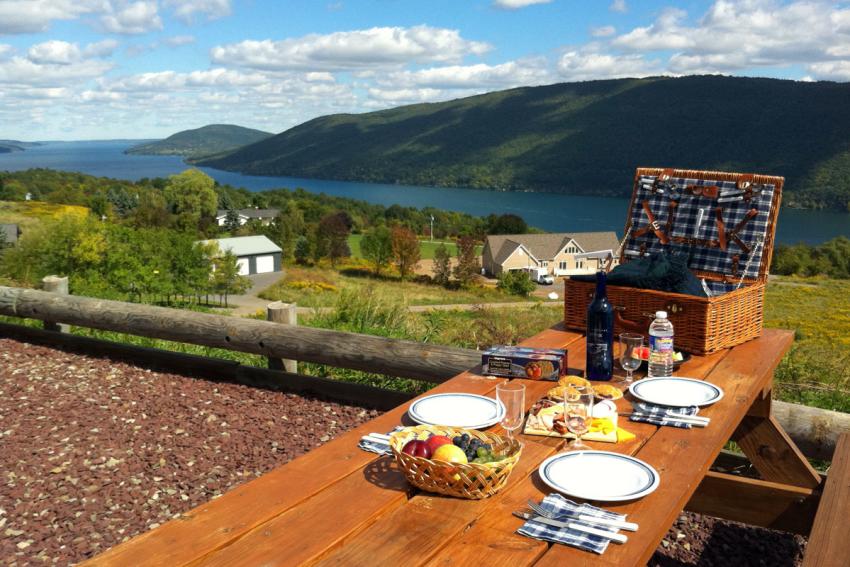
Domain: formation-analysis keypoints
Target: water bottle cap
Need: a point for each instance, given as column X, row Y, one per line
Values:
column 660, row 314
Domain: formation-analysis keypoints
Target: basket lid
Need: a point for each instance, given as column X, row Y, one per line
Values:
column 724, row 222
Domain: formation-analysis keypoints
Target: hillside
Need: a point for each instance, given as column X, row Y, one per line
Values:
column 8, row 146
column 582, row 138
column 204, row 141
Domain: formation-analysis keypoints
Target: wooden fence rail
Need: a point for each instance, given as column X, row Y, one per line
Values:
column 395, row 357
column 814, row 430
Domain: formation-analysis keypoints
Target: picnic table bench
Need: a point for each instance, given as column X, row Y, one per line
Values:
column 339, row 505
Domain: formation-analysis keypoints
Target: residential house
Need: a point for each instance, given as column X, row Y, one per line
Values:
column 265, row 216
column 561, row 254
column 11, row 233
column 254, row 254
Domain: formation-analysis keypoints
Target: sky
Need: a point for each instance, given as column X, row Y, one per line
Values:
column 107, row 69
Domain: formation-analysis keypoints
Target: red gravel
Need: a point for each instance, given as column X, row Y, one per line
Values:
column 96, row 451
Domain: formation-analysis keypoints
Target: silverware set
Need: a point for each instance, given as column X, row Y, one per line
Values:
column 576, row 521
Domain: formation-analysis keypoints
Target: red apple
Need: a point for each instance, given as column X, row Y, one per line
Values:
column 436, row 440
column 417, row 448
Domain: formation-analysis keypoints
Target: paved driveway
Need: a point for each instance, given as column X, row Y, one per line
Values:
column 249, row 303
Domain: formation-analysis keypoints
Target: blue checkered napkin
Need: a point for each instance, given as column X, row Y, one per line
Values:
column 560, row 506
column 378, row 448
column 657, row 415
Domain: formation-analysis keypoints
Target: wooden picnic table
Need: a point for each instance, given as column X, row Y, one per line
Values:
column 339, row 505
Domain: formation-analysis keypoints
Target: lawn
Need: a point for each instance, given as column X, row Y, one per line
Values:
column 321, row 287
column 817, row 371
column 426, row 247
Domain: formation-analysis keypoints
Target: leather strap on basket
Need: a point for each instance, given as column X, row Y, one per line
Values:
column 710, row 191
column 745, row 182
column 652, row 226
column 733, row 234
column 668, row 229
column 721, row 228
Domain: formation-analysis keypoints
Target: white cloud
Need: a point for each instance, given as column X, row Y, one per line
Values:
column 480, row 76
column 832, row 70
column 32, row 16
column 603, row 31
column 619, row 6
column 588, row 64
column 103, row 48
column 178, row 40
column 733, row 36
column 6, row 50
column 351, row 50
column 137, row 17
column 54, row 52
column 21, row 71
column 516, row 4
column 186, row 10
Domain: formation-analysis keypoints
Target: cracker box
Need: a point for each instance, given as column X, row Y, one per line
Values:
column 525, row 362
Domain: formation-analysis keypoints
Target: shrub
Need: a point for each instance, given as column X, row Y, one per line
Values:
column 516, row 282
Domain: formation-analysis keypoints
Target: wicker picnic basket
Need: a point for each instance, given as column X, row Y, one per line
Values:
column 725, row 223
column 472, row 480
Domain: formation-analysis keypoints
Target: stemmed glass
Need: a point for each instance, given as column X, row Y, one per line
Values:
column 512, row 396
column 630, row 345
column 578, row 414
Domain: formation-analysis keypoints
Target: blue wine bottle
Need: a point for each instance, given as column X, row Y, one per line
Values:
column 600, row 333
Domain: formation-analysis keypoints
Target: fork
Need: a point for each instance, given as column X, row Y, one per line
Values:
column 577, row 527
column 587, row 518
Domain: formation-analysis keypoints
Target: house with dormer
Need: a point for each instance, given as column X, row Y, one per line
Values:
column 561, row 254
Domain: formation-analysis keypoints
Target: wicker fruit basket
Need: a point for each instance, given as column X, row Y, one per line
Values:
column 474, row 481
column 725, row 223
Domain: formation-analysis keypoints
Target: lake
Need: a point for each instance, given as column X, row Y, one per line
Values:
column 552, row 212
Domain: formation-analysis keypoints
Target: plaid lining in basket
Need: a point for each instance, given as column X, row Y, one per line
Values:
column 560, row 506
column 658, row 415
column 695, row 218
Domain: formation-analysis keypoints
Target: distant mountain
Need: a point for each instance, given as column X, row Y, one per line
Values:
column 204, row 141
column 584, row 138
column 8, row 146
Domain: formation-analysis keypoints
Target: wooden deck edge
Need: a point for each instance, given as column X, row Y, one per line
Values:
column 209, row 368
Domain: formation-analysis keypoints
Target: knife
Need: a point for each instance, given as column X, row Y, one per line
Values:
column 615, row 537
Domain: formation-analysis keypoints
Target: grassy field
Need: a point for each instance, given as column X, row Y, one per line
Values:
column 426, row 247
column 26, row 213
column 817, row 370
column 321, row 287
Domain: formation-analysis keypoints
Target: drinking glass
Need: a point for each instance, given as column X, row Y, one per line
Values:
column 578, row 414
column 512, row 396
column 630, row 345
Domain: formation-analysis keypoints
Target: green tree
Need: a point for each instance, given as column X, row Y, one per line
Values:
column 516, row 282
column 286, row 228
column 468, row 267
column 506, row 224
column 227, row 280
column 302, row 250
column 192, row 197
column 442, row 265
column 406, row 250
column 231, row 221
column 152, row 211
column 332, row 235
column 377, row 247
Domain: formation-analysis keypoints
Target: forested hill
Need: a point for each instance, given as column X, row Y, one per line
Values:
column 582, row 138
column 204, row 141
column 8, row 146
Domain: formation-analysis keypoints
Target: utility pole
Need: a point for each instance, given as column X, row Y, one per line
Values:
column 432, row 228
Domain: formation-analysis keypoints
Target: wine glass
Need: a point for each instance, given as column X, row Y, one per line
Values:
column 630, row 345
column 512, row 396
column 578, row 414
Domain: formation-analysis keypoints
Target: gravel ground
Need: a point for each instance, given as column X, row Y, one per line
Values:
column 94, row 452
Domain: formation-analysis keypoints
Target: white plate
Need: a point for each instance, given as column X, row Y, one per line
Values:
column 677, row 392
column 457, row 410
column 599, row 475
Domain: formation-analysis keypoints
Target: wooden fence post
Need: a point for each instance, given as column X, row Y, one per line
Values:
column 285, row 313
column 55, row 284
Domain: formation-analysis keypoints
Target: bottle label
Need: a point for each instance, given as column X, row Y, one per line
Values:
column 661, row 344
column 597, row 348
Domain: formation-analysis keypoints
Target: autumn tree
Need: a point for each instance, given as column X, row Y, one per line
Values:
column 406, row 252
column 191, row 196
column 377, row 247
column 442, row 265
column 332, row 235
column 468, row 267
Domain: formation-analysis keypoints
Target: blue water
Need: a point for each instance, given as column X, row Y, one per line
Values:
column 557, row 213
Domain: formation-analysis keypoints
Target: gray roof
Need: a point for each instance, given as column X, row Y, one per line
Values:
column 246, row 245
column 253, row 213
column 546, row 246
column 11, row 231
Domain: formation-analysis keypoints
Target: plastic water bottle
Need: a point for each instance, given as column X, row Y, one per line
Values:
column 660, row 346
